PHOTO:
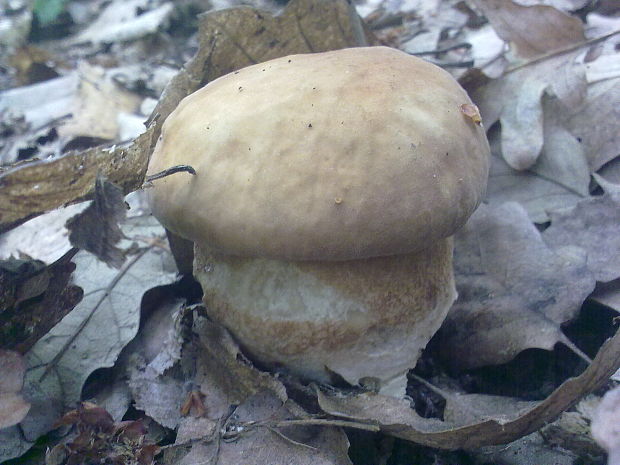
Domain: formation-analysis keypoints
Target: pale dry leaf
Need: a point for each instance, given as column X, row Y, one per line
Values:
column 156, row 348
column 516, row 100
column 96, row 106
column 498, row 422
column 258, row 445
column 595, row 124
column 562, row 160
column 594, row 225
column 533, row 30
column 41, row 103
column 563, row 5
column 109, row 315
column 226, row 379
column 124, row 20
column 606, row 425
column 609, row 187
column 13, row 406
column 94, row 333
column 43, row 238
column 514, row 291
column 536, row 194
column 528, row 450
column 487, row 50
column 46, row 407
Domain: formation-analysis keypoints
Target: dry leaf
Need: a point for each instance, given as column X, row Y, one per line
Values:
column 535, row 193
column 595, row 124
column 97, row 228
column 34, row 298
column 96, row 106
column 13, row 407
column 30, row 189
column 125, row 20
column 252, row 432
column 92, row 335
column 533, row 30
column 510, row 420
column 514, row 291
column 594, row 225
column 43, row 238
column 516, row 100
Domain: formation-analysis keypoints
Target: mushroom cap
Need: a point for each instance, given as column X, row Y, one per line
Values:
column 341, row 155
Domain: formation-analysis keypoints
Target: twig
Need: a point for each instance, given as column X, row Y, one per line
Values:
column 465, row 45
column 561, row 51
column 169, row 171
column 292, row 441
column 106, row 294
column 325, row 422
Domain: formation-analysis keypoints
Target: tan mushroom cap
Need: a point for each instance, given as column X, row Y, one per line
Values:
column 340, row 155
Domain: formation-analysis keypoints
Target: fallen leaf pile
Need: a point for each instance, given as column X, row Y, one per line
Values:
column 129, row 343
column 99, row 440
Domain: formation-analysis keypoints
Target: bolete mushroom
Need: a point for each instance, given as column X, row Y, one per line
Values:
column 327, row 188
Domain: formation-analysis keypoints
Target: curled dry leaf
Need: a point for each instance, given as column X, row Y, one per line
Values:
column 97, row 228
column 514, row 291
column 30, row 189
column 493, row 423
column 13, row 407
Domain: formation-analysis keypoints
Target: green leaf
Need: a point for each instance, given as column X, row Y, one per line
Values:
column 47, row 11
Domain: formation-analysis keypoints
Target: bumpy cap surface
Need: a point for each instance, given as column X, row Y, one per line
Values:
column 339, row 155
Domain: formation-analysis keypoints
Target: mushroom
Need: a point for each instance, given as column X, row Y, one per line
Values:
column 328, row 187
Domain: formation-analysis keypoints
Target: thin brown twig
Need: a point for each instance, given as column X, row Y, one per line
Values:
column 287, row 439
column 325, row 422
column 561, row 51
column 169, row 171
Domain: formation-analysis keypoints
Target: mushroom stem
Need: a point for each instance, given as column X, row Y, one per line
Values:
column 358, row 318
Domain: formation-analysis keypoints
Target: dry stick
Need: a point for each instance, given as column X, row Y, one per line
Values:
column 561, row 51
column 86, row 320
column 325, row 422
column 292, row 441
column 171, row 170
column 466, row 45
